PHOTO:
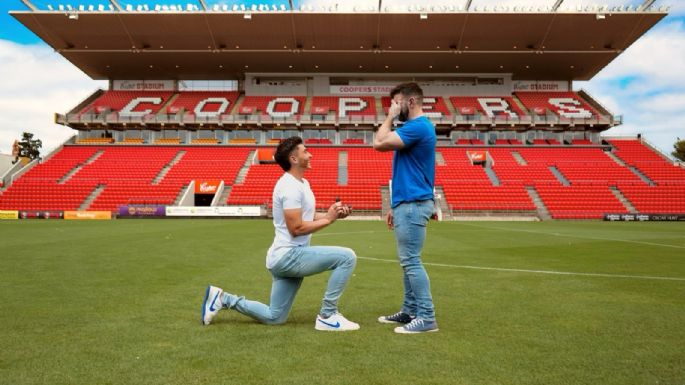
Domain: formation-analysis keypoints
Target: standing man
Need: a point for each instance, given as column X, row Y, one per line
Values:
column 290, row 257
column 413, row 179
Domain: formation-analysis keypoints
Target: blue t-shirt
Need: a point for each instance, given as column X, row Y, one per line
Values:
column 413, row 167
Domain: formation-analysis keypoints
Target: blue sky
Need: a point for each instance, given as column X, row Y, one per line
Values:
column 646, row 84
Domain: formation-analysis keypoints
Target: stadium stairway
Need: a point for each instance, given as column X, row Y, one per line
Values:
column 641, row 175
column 225, row 193
column 78, row 167
column 622, row 198
column 342, row 168
column 439, row 159
column 160, row 177
column 519, row 159
column 442, row 202
column 385, row 203
column 562, row 179
column 240, row 178
column 91, row 198
column 615, row 158
column 180, row 195
column 543, row 213
column 492, row 175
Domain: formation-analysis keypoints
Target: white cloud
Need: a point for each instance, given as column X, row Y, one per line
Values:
column 646, row 84
column 38, row 82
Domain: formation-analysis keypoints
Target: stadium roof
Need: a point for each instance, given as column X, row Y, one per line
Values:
column 225, row 45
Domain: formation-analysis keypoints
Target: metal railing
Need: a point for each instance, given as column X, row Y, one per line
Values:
column 307, row 119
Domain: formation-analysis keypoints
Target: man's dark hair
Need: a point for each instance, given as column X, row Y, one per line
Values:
column 408, row 90
column 284, row 150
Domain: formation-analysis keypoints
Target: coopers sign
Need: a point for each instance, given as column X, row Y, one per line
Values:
column 361, row 90
column 535, row 86
column 143, row 85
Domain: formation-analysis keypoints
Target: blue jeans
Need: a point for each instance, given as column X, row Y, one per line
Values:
column 410, row 220
column 288, row 274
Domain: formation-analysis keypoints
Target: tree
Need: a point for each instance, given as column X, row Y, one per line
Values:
column 679, row 147
column 28, row 147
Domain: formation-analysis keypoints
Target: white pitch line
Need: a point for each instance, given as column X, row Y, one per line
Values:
column 578, row 236
column 536, row 271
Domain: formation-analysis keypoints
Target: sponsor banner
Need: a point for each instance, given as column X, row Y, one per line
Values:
column 541, row 86
column 143, row 85
column 209, row 211
column 467, row 111
column 246, row 110
column 477, row 156
column 41, row 214
column 207, row 186
column 142, row 211
column 644, row 217
column 320, row 110
column 539, row 110
column 76, row 215
column 378, row 89
column 266, row 155
column 9, row 214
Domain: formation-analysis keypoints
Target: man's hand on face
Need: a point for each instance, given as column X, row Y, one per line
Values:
column 395, row 109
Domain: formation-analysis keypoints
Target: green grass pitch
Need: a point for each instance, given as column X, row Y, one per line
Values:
column 118, row 302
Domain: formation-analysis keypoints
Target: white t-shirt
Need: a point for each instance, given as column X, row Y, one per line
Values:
column 289, row 193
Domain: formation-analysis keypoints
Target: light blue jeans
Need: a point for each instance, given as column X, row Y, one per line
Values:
column 410, row 220
column 288, row 274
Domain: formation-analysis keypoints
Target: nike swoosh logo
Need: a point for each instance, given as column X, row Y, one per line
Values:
column 211, row 307
column 335, row 325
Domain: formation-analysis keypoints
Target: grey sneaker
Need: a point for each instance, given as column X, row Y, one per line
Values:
column 417, row 326
column 397, row 318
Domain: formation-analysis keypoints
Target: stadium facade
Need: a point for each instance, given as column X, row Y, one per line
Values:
column 198, row 98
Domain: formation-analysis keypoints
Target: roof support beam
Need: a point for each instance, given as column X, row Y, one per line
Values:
column 645, row 5
column 556, row 5
column 116, row 5
column 468, row 5
column 203, row 4
column 29, row 5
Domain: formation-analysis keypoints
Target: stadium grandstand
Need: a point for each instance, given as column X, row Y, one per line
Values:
column 199, row 96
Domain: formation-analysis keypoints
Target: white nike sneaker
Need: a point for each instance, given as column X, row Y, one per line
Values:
column 211, row 304
column 335, row 323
